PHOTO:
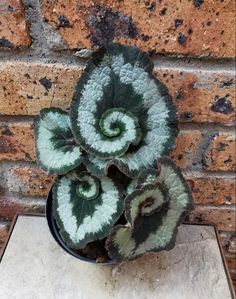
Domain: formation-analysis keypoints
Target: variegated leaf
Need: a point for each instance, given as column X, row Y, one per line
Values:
column 120, row 113
column 146, row 176
column 85, row 207
column 154, row 212
column 56, row 149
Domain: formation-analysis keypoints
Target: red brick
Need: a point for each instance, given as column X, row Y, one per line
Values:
column 213, row 190
column 186, row 148
column 231, row 264
column 221, row 153
column 222, row 217
column 13, row 28
column 228, row 240
column 231, row 261
column 194, row 93
column 17, row 141
column 29, row 87
column 10, row 206
column 28, row 181
column 32, row 181
column 201, row 96
column 233, row 277
column 4, row 228
column 205, row 30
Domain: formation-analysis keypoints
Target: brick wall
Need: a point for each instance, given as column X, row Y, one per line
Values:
column 192, row 44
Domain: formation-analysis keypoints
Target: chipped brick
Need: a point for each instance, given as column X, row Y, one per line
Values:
column 221, row 153
column 13, row 28
column 92, row 23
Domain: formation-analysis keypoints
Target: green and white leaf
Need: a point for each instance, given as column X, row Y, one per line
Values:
column 156, row 229
column 85, row 207
column 56, row 149
column 120, row 113
column 146, row 176
column 144, row 202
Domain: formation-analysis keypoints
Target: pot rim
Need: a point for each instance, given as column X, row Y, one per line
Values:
column 55, row 233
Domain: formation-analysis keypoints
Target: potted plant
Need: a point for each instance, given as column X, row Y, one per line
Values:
column 117, row 194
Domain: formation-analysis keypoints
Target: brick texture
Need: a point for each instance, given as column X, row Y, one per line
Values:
column 17, row 144
column 27, row 181
column 13, row 29
column 221, row 153
column 199, row 98
column 10, row 206
column 186, row 149
column 213, row 190
column 231, row 261
column 223, row 218
column 27, row 88
column 176, row 27
column 228, row 241
column 17, row 141
column 4, row 228
column 32, row 181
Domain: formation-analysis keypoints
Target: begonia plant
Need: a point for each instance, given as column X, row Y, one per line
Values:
column 116, row 182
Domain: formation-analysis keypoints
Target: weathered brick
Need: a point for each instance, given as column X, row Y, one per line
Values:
column 201, row 96
column 222, row 217
column 4, row 228
column 29, row 87
column 10, row 206
column 17, row 141
column 231, row 261
column 221, row 153
column 233, row 277
column 13, row 28
column 28, row 181
column 176, row 27
column 232, row 245
column 32, row 181
column 228, row 241
column 186, row 148
column 213, row 190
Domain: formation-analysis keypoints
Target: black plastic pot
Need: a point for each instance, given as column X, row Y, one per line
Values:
column 55, row 233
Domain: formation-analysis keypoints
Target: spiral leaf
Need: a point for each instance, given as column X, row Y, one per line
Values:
column 146, row 176
column 85, row 207
column 120, row 114
column 154, row 212
column 56, row 149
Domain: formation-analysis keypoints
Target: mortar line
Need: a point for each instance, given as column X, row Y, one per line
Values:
column 17, row 118
column 218, row 207
column 201, row 173
column 195, row 64
column 160, row 62
column 40, row 48
column 206, row 127
column 182, row 126
column 198, row 173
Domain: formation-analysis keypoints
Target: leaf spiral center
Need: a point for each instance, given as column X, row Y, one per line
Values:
column 116, row 122
column 88, row 187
